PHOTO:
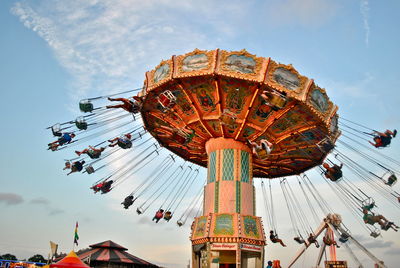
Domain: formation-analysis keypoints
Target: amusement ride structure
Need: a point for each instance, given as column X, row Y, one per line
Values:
column 241, row 117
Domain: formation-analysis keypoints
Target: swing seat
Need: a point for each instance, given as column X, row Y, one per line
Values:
column 375, row 234
column 299, row 240
column 124, row 144
column 262, row 154
column 80, row 123
column 139, row 211
column 392, row 180
column 56, row 130
column 86, row 106
column 180, row 223
column 326, row 145
column 89, row 169
column 277, row 101
column 167, row 215
column 344, row 237
column 167, row 99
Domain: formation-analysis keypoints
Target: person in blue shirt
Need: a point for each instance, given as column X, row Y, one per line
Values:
column 269, row 264
column 65, row 138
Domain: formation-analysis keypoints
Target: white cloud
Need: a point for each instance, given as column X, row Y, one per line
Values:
column 364, row 8
column 108, row 45
column 11, row 198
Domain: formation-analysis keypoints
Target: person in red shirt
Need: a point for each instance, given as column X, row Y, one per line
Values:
column 159, row 215
column 383, row 139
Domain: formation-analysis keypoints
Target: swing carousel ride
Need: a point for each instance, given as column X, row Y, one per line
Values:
column 241, row 117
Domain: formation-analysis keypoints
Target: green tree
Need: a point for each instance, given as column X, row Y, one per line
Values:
column 8, row 256
column 37, row 258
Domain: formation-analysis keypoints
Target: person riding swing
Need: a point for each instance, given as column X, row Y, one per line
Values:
column 124, row 141
column 333, row 173
column 128, row 201
column 65, row 138
column 313, row 240
column 76, row 166
column 263, row 149
column 167, row 215
column 92, row 152
column 127, row 104
column 383, row 139
column 370, row 218
column 274, row 238
column 159, row 215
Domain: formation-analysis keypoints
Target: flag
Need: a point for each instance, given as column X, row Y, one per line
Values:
column 53, row 248
column 76, row 237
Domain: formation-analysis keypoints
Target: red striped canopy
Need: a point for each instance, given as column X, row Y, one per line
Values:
column 71, row 260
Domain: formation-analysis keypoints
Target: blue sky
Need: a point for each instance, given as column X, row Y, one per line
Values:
column 54, row 53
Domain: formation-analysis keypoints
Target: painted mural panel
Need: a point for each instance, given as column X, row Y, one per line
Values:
column 334, row 124
column 214, row 126
column 260, row 112
column 161, row 73
column 200, row 227
column 195, row 62
column 304, row 138
column 319, row 100
column 224, row 225
column 294, row 118
column 183, row 103
column 286, row 78
column 241, row 64
column 250, row 227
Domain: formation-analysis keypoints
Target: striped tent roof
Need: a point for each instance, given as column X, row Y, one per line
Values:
column 108, row 251
column 71, row 260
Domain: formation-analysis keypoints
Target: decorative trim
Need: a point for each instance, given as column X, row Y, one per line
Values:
column 216, row 197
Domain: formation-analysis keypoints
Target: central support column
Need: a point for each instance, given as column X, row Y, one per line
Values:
column 228, row 234
column 229, row 186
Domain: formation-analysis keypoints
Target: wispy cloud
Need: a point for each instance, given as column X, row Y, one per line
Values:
column 56, row 211
column 364, row 8
column 40, row 201
column 108, row 45
column 11, row 199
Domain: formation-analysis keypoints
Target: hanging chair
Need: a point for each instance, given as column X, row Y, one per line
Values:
column 167, row 100
column 139, row 211
column 80, row 123
column 391, row 180
column 180, row 223
column 276, row 100
column 56, row 130
column 326, row 145
column 89, row 169
column 124, row 143
column 299, row 239
column 86, row 106
column 375, row 233
column 167, row 215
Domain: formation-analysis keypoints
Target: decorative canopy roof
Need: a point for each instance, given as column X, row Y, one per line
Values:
column 109, row 251
column 108, row 244
column 219, row 94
